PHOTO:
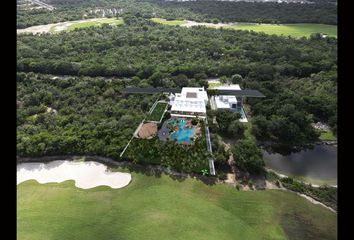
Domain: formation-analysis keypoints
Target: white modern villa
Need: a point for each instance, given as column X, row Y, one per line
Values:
column 191, row 102
column 231, row 103
column 227, row 102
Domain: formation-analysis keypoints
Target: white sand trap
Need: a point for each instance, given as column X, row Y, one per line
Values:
column 85, row 174
column 193, row 23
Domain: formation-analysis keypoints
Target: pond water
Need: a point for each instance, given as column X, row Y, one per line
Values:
column 319, row 163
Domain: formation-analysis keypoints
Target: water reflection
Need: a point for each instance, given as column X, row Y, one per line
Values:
column 318, row 163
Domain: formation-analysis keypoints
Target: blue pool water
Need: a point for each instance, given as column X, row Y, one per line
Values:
column 183, row 134
column 243, row 115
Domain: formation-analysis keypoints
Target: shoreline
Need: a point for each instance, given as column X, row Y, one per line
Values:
column 312, row 200
column 268, row 169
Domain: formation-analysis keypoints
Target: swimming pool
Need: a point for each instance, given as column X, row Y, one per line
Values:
column 243, row 115
column 182, row 134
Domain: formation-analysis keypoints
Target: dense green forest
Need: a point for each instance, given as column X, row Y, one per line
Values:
column 298, row 76
column 200, row 11
column 77, row 10
column 269, row 12
column 70, row 115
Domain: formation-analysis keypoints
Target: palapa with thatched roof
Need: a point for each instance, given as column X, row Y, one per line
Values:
column 148, row 130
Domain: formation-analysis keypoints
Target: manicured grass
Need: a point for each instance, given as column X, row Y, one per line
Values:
column 52, row 29
column 214, row 84
column 327, row 136
column 162, row 208
column 294, row 30
column 157, row 112
column 111, row 21
column 168, row 22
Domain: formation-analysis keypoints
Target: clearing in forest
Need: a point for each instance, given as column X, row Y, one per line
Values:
column 294, row 30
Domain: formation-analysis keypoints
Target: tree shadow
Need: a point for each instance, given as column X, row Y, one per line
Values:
column 258, row 180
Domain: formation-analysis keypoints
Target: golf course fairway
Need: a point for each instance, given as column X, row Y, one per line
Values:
column 159, row 207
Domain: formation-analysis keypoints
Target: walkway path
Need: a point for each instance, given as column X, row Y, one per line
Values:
column 207, row 136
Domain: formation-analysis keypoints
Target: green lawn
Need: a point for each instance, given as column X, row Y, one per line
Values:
column 162, row 208
column 157, row 112
column 212, row 85
column 327, row 136
column 294, row 30
column 88, row 23
column 111, row 21
column 52, row 29
column 168, row 22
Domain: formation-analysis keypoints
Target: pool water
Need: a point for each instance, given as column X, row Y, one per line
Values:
column 183, row 134
column 243, row 115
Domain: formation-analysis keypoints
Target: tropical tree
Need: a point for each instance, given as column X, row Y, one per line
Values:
column 248, row 156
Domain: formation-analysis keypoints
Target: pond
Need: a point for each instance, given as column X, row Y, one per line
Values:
column 317, row 165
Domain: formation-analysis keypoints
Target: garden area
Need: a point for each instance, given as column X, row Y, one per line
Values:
column 157, row 112
column 166, row 150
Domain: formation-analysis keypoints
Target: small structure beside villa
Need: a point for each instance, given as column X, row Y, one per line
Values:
column 231, row 97
column 227, row 102
column 148, row 130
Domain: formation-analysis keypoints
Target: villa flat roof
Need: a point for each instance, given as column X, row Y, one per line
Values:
column 191, row 95
column 189, row 106
column 229, row 87
column 150, row 90
column 242, row 93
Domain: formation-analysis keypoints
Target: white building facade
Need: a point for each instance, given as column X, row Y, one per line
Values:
column 227, row 102
column 191, row 102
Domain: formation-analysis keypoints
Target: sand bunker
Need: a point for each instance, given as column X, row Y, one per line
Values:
column 193, row 23
column 85, row 174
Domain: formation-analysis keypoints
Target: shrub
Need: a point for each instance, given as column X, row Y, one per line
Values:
column 194, row 121
column 250, row 184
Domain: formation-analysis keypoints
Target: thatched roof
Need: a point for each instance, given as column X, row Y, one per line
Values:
column 148, row 130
